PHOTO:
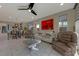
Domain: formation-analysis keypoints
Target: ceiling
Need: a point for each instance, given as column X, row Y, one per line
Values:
column 9, row 11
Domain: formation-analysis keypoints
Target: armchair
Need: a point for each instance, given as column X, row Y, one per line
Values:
column 66, row 43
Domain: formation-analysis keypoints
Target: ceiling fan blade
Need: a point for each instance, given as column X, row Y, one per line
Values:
column 76, row 4
column 33, row 12
column 22, row 6
column 31, row 5
column 23, row 9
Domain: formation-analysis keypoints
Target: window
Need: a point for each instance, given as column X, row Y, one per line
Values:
column 63, row 22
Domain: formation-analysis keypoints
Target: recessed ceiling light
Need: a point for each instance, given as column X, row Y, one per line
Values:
column 61, row 4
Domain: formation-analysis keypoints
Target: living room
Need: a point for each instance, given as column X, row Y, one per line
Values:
column 39, row 24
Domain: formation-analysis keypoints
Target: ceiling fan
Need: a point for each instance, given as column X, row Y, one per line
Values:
column 30, row 8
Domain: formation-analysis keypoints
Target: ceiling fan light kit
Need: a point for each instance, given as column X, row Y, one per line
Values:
column 29, row 10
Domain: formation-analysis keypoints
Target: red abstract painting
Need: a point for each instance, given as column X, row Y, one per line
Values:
column 47, row 24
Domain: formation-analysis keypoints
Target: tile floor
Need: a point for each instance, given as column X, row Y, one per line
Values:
column 18, row 48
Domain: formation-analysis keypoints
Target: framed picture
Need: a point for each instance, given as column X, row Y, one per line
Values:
column 47, row 24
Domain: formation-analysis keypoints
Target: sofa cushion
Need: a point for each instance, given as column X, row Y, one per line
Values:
column 64, row 37
column 62, row 46
column 66, row 43
column 64, row 40
column 71, row 44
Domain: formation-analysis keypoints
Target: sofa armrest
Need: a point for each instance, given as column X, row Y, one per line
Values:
column 71, row 44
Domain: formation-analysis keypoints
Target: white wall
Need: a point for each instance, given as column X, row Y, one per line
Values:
column 77, row 26
column 70, row 18
column 77, row 30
